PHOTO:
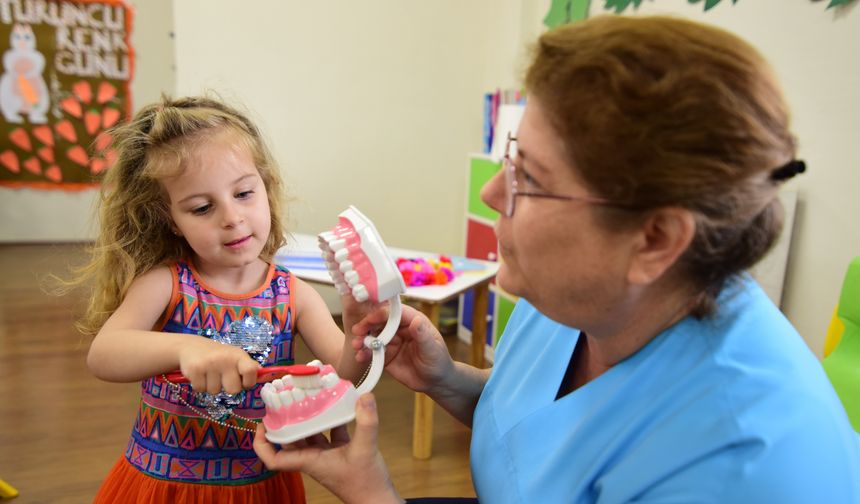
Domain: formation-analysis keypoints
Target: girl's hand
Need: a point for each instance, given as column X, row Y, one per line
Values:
column 353, row 311
column 353, row 471
column 212, row 367
column 417, row 356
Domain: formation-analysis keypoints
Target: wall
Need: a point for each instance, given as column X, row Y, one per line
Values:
column 368, row 103
column 57, row 216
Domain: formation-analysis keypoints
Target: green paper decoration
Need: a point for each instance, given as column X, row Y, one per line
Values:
column 710, row 4
column 620, row 6
column 565, row 11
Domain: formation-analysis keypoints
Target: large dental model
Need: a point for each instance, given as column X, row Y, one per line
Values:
column 312, row 398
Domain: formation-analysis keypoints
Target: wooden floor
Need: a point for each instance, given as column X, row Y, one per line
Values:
column 62, row 429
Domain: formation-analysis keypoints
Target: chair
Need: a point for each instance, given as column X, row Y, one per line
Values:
column 842, row 345
column 7, row 491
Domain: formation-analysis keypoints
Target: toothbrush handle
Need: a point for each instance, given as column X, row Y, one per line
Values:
column 264, row 374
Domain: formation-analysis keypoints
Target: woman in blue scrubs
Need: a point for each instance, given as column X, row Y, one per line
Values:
column 642, row 363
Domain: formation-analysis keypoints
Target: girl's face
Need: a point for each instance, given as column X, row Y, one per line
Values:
column 554, row 252
column 219, row 205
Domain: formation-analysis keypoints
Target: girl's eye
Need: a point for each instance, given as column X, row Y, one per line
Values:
column 201, row 209
column 244, row 194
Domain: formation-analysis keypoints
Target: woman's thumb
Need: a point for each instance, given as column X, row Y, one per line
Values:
column 366, row 423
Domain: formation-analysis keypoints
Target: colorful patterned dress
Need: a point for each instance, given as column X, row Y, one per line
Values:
column 177, row 455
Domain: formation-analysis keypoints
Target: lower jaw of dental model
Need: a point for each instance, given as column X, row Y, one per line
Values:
column 310, row 400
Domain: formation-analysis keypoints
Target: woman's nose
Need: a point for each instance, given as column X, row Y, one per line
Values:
column 493, row 192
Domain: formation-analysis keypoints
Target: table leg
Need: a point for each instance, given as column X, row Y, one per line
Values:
column 479, row 323
column 422, row 425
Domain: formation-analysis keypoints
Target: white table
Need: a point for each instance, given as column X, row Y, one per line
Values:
column 302, row 256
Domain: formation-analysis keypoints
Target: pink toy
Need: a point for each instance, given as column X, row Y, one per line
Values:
column 417, row 272
column 359, row 264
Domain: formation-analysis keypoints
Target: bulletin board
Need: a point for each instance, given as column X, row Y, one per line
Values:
column 66, row 77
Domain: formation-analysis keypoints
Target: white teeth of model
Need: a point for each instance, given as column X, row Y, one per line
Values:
column 337, row 244
column 329, row 380
column 270, row 397
column 303, row 381
column 316, row 363
column 288, row 381
column 298, row 394
column 325, row 236
column 341, row 255
column 360, row 293
column 351, row 278
column 345, row 266
column 308, row 381
column 342, row 288
column 312, row 391
column 278, row 384
column 286, row 397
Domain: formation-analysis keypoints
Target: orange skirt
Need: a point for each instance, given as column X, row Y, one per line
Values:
column 126, row 484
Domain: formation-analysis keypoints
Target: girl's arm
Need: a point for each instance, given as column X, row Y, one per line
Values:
column 418, row 357
column 322, row 335
column 127, row 349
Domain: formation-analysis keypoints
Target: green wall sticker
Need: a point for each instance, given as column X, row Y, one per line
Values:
column 709, row 4
column 620, row 6
column 565, row 11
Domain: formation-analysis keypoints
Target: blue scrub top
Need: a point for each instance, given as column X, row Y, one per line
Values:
column 732, row 408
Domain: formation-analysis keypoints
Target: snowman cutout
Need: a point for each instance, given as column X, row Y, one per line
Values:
column 22, row 89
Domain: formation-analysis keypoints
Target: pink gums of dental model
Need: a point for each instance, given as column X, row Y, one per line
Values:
column 359, row 265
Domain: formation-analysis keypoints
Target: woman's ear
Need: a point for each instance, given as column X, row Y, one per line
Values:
column 663, row 238
column 174, row 229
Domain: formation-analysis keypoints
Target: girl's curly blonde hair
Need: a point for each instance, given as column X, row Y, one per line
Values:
column 133, row 211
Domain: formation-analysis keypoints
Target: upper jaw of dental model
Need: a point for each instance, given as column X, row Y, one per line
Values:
column 302, row 395
column 358, row 261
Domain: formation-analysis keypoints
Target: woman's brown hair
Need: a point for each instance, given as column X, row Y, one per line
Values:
column 659, row 111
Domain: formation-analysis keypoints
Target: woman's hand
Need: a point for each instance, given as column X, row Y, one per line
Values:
column 417, row 356
column 212, row 367
column 353, row 471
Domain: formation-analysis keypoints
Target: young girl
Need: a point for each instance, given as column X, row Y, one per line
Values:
column 190, row 218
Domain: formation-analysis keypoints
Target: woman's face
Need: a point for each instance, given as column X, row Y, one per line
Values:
column 553, row 251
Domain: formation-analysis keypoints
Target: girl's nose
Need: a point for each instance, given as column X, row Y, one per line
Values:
column 230, row 215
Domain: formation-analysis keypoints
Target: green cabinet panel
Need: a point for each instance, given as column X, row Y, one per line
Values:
column 480, row 172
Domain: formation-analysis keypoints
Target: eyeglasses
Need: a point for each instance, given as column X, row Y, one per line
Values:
column 512, row 190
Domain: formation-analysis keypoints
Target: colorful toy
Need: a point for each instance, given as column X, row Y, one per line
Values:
column 842, row 352
column 419, row 271
column 301, row 405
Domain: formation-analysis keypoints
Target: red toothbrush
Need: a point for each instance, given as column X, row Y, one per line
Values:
column 264, row 374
